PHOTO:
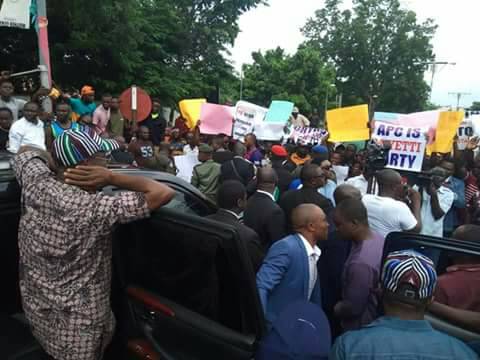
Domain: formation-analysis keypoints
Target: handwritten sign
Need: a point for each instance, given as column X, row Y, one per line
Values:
column 190, row 110
column 348, row 124
column 215, row 119
column 407, row 145
column 279, row 112
column 308, row 136
column 247, row 115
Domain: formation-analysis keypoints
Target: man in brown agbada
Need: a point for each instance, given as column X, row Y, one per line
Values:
column 65, row 242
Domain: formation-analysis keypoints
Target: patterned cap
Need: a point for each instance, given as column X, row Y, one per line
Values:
column 106, row 145
column 411, row 268
column 74, row 146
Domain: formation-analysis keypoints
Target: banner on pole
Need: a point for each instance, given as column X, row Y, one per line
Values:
column 247, row 115
column 407, row 145
column 15, row 13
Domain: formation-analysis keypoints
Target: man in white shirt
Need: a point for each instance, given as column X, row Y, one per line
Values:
column 385, row 213
column 29, row 130
column 191, row 148
column 297, row 119
column 436, row 202
column 8, row 101
column 359, row 182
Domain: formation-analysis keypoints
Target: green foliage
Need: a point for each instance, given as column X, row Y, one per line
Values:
column 172, row 48
column 301, row 78
column 475, row 106
column 378, row 49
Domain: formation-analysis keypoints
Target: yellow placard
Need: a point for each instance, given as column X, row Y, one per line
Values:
column 348, row 124
column 190, row 110
column 447, row 127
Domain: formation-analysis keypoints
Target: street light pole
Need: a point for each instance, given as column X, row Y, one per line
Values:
column 241, row 82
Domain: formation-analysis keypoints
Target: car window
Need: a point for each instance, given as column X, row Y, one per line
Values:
column 188, row 204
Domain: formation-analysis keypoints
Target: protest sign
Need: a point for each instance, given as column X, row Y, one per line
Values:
column 407, row 145
column 190, row 110
column 279, row 112
column 341, row 173
column 246, row 116
column 15, row 14
column 185, row 165
column 215, row 119
column 306, row 136
column 269, row 131
column 464, row 133
column 446, row 128
column 348, row 124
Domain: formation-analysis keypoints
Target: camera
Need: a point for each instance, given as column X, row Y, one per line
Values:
column 377, row 156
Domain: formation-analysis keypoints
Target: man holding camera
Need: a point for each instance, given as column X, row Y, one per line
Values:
column 386, row 213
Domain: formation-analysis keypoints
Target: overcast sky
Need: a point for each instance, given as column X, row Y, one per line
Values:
column 456, row 39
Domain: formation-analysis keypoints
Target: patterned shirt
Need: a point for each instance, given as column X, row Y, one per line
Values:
column 65, row 259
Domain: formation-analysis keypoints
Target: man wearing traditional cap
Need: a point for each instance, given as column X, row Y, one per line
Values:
column 207, row 174
column 408, row 281
column 84, row 105
column 65, row 243
column 279, row 159
column 298, row 119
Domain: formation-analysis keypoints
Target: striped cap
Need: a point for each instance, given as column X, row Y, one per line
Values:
column 411, row 268
column 105, row 144
column 74, row 146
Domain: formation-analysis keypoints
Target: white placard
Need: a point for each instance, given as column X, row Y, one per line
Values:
column 464, row 132
column 341, row 172
column 247, row 115
column 15, row 13
column 185, row 165
column 269, row 131
column 407, row 145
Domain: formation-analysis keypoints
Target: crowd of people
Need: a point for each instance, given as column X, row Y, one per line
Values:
column 314, row 219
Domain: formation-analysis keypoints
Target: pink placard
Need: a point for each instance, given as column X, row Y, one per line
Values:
column 216, row 119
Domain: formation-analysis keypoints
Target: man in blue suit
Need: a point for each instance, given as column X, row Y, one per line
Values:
column 289, row 271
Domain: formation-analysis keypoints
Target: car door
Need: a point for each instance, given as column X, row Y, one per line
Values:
column 441, row 251
column 190, row 287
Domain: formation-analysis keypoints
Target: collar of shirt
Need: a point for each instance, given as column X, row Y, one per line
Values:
column 396, row 323
column 266, row 193
column 310, row 250
column 238, row 217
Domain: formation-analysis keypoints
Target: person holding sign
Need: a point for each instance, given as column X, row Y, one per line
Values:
column 298, row 119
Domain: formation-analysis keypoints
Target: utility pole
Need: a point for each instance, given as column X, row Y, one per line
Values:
column 43, row 51
column 434, row 68
column 459, row 95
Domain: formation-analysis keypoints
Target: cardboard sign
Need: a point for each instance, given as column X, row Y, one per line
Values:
column 279, row 112
column 15, row 14
column 247, row 115
column 308, row 136
column 464, row 133
column 348, row 124
column 185, row 165
column 446, row 129
column 407, row 145
column 190, row 110
column 215, row 119
column 269, row 131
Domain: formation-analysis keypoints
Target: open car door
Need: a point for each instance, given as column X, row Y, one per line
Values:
column 441, row 251
column 190, row 287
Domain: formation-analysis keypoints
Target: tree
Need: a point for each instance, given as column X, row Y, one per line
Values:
column 475, row 106
column 302, row 78
column 172, row 48
column 379, row 51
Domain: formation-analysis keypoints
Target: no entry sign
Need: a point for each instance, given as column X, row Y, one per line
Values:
column 135, row 104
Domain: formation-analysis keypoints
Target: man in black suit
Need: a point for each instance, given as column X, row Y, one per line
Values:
column 231, row 199
column 313, row 178
column 262, row 213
